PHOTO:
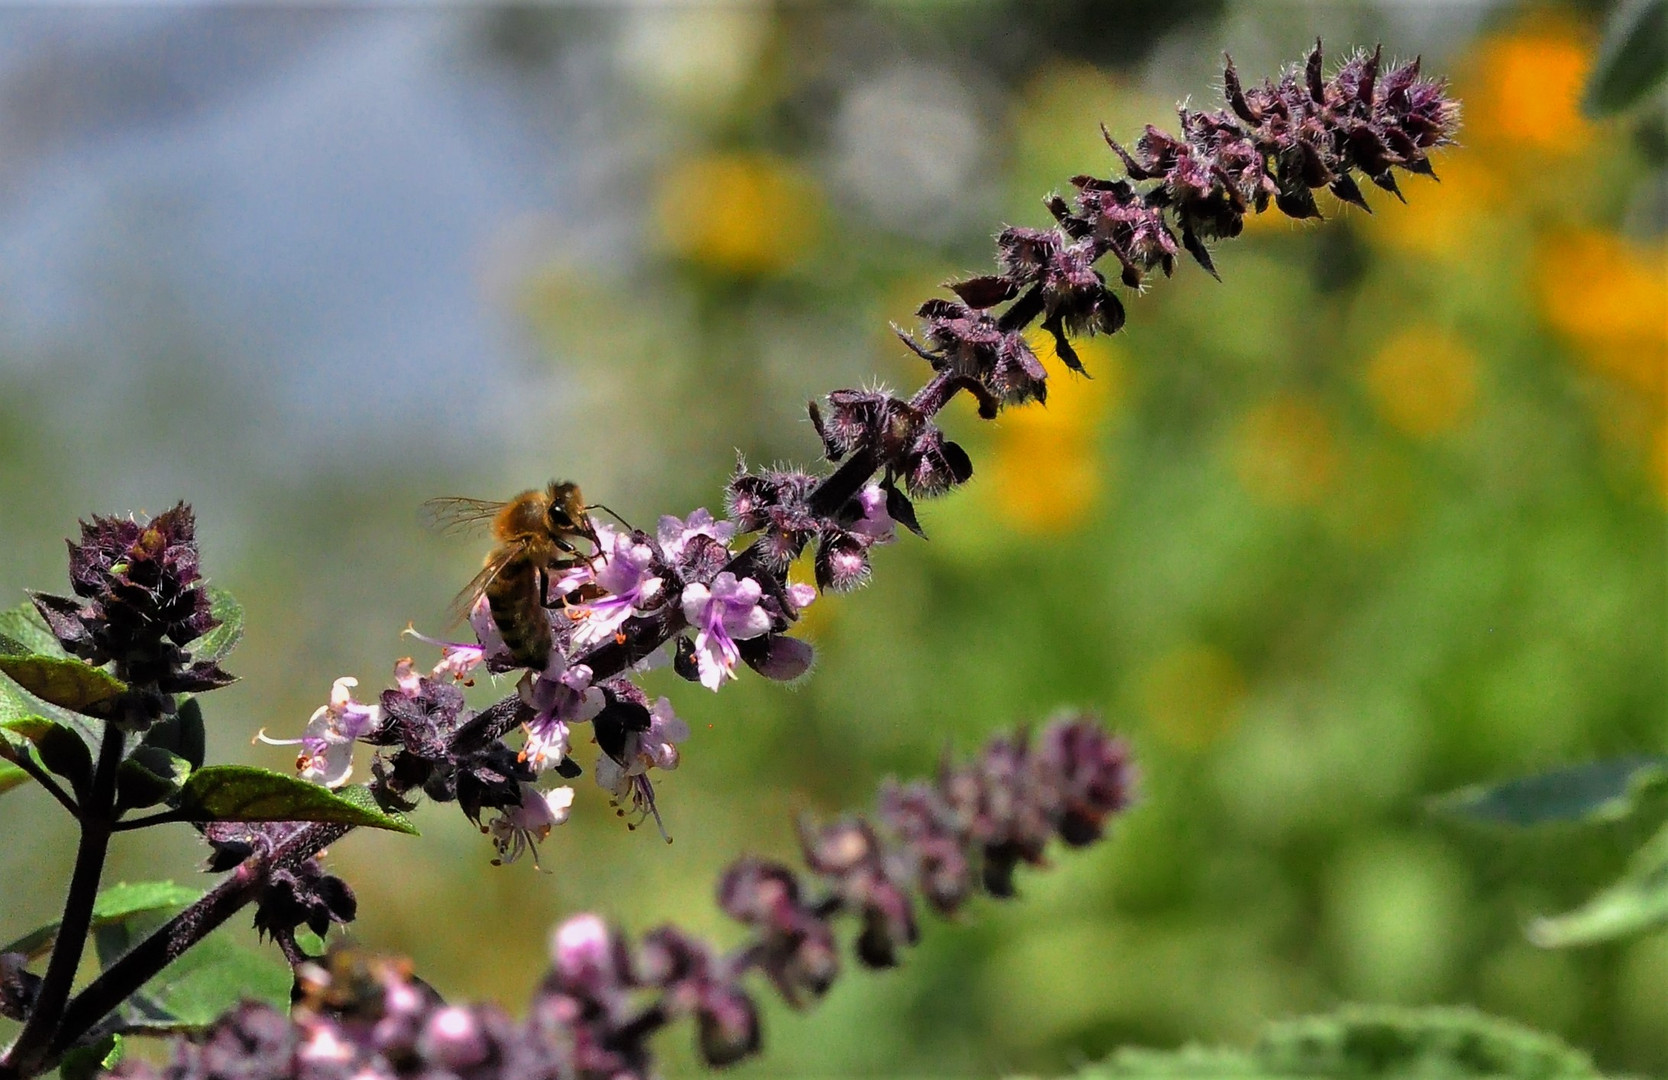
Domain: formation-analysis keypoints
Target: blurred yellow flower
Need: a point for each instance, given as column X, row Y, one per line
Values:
column 1442, row 220
column 1527, row 87
column 1609, row 299
column 1521, row 98
column 747, row 214
column 1424, row 381
column 1046, row 469
column 1192, row 696
column 1285, row 451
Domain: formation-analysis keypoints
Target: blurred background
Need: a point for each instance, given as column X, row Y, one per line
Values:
column 1380, row 515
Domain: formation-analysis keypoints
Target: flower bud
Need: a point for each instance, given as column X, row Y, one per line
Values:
column 587, row 957
column 935, row 465
column 728, row 1025
column 842, row 561
column 776, row 656
column 453, row 1039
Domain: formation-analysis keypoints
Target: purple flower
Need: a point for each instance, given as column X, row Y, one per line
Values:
column 519, row 829
column 327, row 743
column 559, row 696
column 722, row 615
column 493, row 649
column 323, row 1045
column 458, row 659
column 777, row 503
column 138, row 602
column 876, row 523
column 630, row 587
column 406, row 679
column 675, row 535
column 453, row 1039
column 656, row 748
column 694, row 980
column 586, row 955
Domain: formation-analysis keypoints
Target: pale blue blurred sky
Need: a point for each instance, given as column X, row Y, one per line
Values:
column 316, row 198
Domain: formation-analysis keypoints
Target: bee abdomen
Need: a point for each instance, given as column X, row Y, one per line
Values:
column 513, row 598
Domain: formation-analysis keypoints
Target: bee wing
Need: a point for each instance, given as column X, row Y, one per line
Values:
column 451, row 514
column 458, row 610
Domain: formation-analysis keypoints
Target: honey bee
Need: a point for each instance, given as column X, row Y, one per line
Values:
column 535, row 531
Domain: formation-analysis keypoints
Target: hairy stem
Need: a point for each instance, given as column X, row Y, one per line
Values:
column 122, row 979
column 97, row 817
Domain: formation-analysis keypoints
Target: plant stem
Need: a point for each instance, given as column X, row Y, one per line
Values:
column 122, row 979
column 166, row 817
column 97, row 816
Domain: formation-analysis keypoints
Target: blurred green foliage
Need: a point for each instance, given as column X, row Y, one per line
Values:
column 1418, row 1044
column 1379, row 516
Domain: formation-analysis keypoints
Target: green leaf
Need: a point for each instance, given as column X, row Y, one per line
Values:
column 1597, row 791
column 214, row 975
column 181, row 733
column 1368, row 1042
column 245, row 793
column 361, row 796
column 218, row 643
column 140, row 1014
column 204, row 982
column 60, row 749
column 128, row 898
column 16, row 704
column 148, row 776
column 11, row 776
column 86, row 1062
column 24, row 626
column 1632, row 60
column 116, row 904
column 309, row 942
column 1637, row 902
column 63, row 681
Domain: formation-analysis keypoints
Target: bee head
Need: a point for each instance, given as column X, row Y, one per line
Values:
column 566, row 512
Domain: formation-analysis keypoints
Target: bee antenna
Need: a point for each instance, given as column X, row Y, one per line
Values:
column 611, row 513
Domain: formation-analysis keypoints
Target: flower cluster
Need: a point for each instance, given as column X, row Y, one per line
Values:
column 430, row 741
column 1276, row 143
column 694, row 590
column 289, row 898
column 606, row 996
column 137, row 605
